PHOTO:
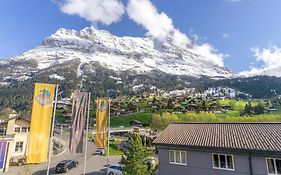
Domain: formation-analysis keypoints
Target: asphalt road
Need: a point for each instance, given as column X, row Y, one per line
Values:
column 96, row 164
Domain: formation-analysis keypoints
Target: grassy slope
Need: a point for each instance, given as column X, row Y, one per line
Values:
column 113, row 148
column 239, row 105
column 229, row 116
column 225, row 117
column 232, row 116
column 125, row 120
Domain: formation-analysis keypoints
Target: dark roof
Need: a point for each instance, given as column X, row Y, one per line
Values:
column 16, row 117
column 27, row 118
column 136, row 121
column 258, row 138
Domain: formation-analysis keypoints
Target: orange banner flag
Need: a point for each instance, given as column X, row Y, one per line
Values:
column 102, row 112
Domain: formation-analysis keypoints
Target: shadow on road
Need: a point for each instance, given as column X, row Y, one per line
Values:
column 44, row 172
column 95, row 173
column 52, row 171
column 101, row 172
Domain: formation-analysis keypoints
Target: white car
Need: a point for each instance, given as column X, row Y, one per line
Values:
column 100, row 151
column 115, row 169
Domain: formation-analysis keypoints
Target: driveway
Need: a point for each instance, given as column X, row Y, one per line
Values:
column 96, row 164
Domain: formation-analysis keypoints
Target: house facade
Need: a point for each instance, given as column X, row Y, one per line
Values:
column 14, row 135
column 220, row 149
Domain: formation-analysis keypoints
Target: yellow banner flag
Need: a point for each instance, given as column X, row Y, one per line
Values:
column 101, row 121
column 40, row 126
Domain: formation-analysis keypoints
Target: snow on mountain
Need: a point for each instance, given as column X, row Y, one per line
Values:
column 56, row 76
column 138, row 55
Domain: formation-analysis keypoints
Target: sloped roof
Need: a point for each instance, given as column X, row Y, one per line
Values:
column 264, row 138
column 26, row 118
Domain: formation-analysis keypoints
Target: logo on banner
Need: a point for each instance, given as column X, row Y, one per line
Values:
column 102, row 106
column 44, row 97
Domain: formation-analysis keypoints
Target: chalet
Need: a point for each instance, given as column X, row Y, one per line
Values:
column 115, row 111
column 14, row 138
column 214, row 107
column 148, row 137
column 191, row 107
column 179, row 109
column 272, row 109
column 220, row 149
column 64, row 103
column 226, row 108
column 136, row 123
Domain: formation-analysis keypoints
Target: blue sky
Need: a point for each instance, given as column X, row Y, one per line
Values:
column 233, row 27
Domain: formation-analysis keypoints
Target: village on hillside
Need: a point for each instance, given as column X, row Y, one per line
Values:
column 147, row 114
column 140, row 87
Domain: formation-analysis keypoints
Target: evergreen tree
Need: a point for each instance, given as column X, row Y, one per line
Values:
column 248, row 108
column 259, row 109
column 205, row 105
column 170, row 104
column 218, row 104
column 197, row 107
column 154, row 101
column 135, row 158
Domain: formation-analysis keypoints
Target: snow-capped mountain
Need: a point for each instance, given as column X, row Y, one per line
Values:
column 107, row 66
column 91, row 46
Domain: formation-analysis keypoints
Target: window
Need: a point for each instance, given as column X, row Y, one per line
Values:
column 223, row 161
column 177, row 157
column 2, row 131
column 17, row 129
column 24, row 129
column 273, row 166
column 19, row 147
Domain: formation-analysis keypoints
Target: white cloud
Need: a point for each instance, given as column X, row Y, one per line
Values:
column 225, row 35
column 233, row 0
column 95, row 11
column 158, row 25
column 210, row 53
column 271, row 58
column 180, row 39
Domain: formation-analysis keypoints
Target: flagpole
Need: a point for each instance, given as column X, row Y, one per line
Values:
column 87, row 132
column 52, row 131
column 108, row 137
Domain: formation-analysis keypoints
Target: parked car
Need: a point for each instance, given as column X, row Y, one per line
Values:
column 65, row 165
column 100, row 151
column 114, row 170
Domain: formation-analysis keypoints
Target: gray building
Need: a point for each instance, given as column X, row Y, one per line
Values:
column 220, row 149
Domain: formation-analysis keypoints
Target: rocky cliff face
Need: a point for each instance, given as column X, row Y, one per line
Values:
column 90, row 46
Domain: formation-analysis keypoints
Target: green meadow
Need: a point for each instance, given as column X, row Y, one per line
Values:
column 162, row 117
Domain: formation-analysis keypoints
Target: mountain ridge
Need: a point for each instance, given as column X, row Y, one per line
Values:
column 140, row 55
column 106, row 65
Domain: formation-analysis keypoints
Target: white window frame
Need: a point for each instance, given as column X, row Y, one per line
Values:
column 180, row 153
column 219, row 168
column 275, row 167
column 19, row 151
